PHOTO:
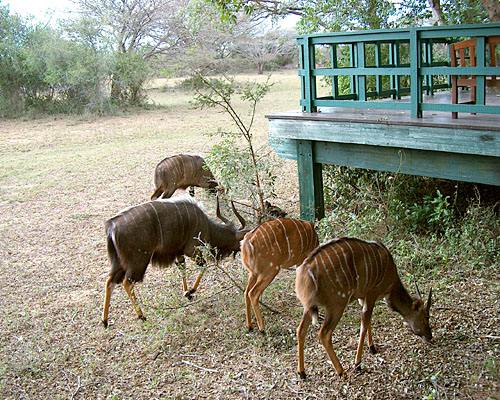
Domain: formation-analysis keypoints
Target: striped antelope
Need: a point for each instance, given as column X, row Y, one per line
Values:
column 275, row 244
column 161, row 232
column 179, row 172
column 345, row 269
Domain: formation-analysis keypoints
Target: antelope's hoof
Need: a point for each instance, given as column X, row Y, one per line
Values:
column 105, row 324
column 142, row 317
column 250, row 328
column 302, row 375
column 358, row 369
column 373, row 349
column 188, row 294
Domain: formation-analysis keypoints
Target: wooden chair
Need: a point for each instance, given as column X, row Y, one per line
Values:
column 463, row 54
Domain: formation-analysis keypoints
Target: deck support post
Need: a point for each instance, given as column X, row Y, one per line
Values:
column 310, row 183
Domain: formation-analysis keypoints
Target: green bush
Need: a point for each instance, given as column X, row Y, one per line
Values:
column 430, row 224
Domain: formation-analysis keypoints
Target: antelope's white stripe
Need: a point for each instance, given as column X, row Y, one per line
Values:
column 266, row 237
column 159, row 222
column 333, row 266
column 362, row 247
column 286, row 237
column 325, row 267
column 300, row 233
column 348, row 266
column 341, row 267
column 353, row 264
column 275, row 238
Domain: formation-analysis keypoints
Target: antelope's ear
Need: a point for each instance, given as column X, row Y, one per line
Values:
column 416, row 304
column 428, row 302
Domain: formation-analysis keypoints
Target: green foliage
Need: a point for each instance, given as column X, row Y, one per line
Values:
column 244, row 172
column 129, row 72
column 431, row 224
column 455, row 12
column 230, row 161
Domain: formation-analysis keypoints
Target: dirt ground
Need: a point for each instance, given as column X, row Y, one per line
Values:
column 62, row 178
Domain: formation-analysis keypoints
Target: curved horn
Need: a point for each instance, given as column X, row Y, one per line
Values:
column 240, row 218
column 219, row 214
column 428, row 303
column 418, row 291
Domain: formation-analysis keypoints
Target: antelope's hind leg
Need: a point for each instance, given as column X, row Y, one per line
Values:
column 262, row 283
column 332, row 318
column 129, row 288
column 251, row 282
column 365, row 328
column 107, row 299
column 301, row 338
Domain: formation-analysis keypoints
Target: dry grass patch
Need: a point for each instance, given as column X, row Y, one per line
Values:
column 62, row 178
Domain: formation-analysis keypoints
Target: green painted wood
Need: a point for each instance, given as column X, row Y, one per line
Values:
column 360, row 65
column 350, row 71
column 384, row 134
column 422, row 67
column 469, row 108
column 461, row 167
column 310, row 182
column 415, row 78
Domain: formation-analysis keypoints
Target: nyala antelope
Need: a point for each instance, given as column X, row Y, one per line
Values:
column 161, row 232
column 275, row 244
column 346, row 269
column 180, row 172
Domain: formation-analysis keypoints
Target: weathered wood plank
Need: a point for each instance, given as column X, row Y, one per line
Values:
column 453, row 140
column 461, row 167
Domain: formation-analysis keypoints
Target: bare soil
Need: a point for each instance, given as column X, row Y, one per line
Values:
column 61, row 178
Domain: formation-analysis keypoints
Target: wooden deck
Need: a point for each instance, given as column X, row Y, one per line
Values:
column 465, row 149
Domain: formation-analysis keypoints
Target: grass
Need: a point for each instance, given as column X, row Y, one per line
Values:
column 61, row 178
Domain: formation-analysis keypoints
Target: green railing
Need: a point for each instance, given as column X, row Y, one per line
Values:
column 377, row 68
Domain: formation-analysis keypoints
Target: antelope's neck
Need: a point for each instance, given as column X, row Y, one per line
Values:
column 399, row 300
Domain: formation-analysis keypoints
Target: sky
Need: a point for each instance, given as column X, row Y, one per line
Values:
column 49, row 11
column 42, row 10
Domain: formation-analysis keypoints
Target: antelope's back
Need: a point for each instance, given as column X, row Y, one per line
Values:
column 159, row 226
column 349, row 268
column 174, row 169
column 286, row 241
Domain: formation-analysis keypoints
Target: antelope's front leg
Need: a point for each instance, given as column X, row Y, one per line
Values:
column 180, row 261
column 201, row 264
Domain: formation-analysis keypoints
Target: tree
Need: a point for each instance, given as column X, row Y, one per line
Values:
column 492, row 7
column 265, row 48
column 337, row 15
column 135, row 31
column 317, row 15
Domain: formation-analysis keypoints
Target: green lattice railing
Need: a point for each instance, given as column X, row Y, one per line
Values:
column 364, row 67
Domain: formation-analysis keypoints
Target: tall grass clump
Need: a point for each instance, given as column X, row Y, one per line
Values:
column 432, row 225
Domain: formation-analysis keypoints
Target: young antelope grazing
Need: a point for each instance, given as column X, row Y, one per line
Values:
column 276, row 244
column 346, row 269
column 181, row 171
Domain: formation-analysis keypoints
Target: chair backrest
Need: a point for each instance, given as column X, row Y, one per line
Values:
column 463, row 54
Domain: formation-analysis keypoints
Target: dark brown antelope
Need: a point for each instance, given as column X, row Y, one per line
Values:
column 346, row 269
column 275, row 244
column 161, row 232
column 179, row 172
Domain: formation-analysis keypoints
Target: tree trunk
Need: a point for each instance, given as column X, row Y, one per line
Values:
column 492, row 7
column 437, row 13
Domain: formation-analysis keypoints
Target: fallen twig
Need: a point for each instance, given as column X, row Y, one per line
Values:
column 202, row 368
column 78, row 384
